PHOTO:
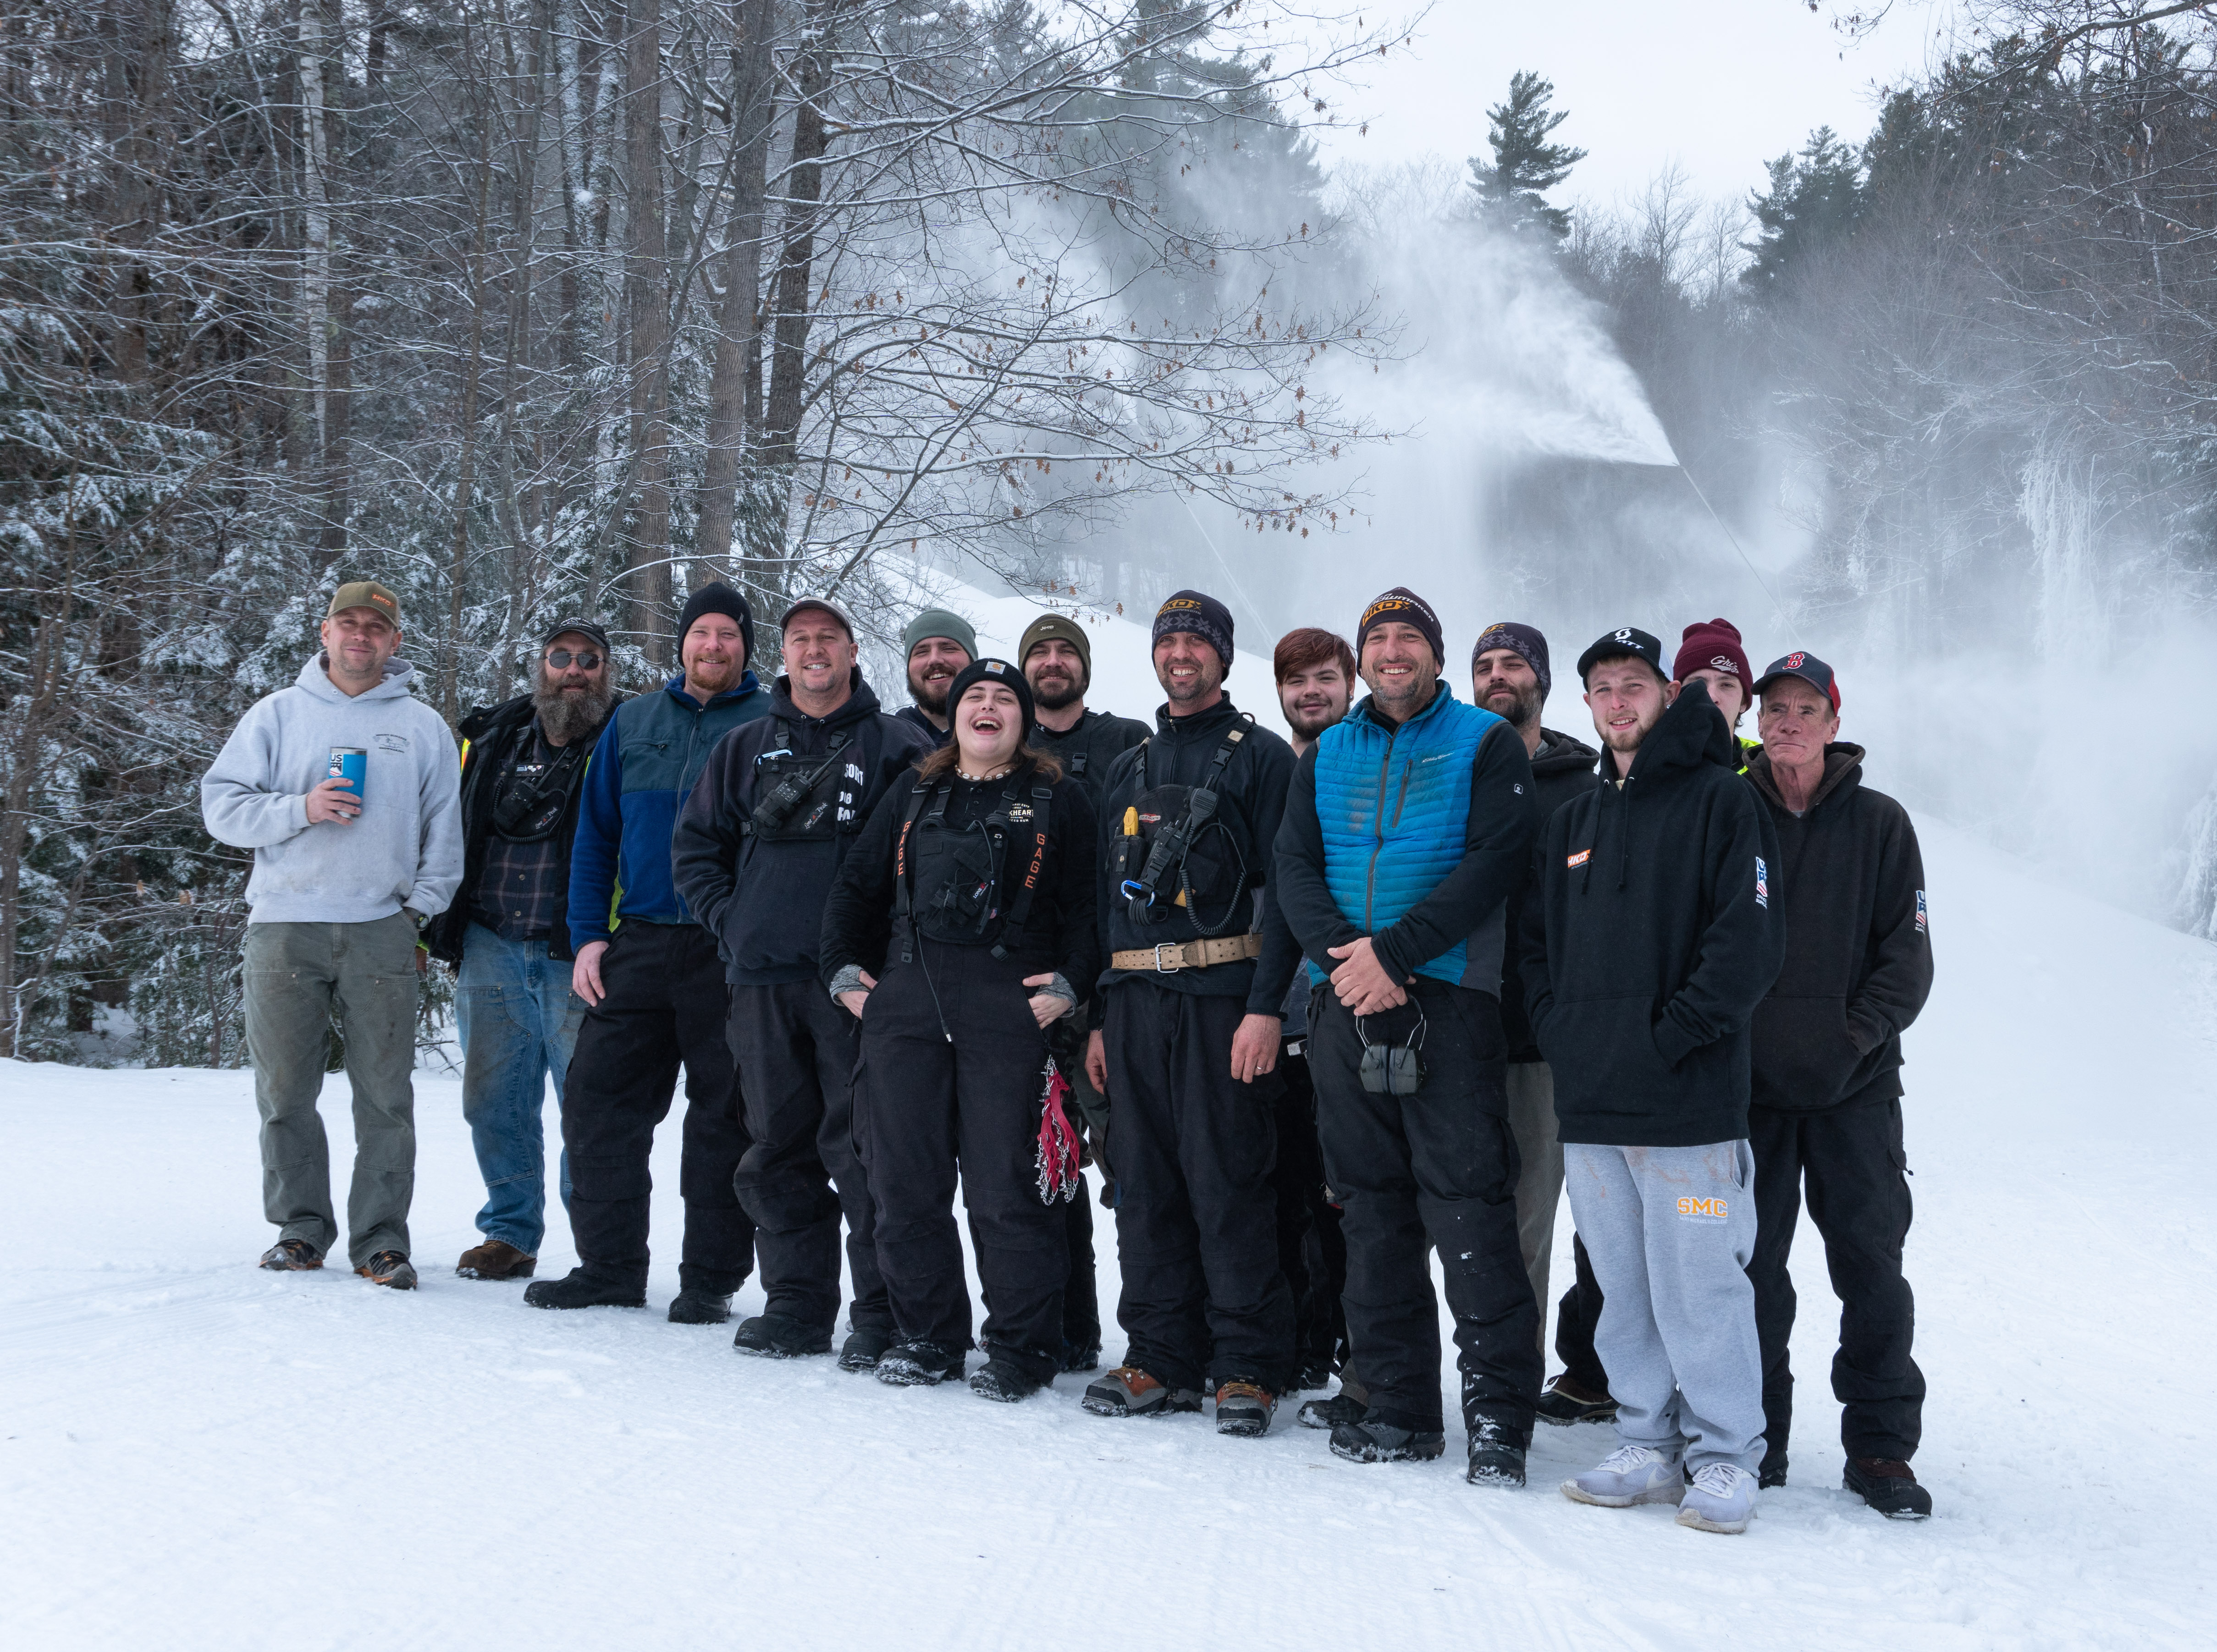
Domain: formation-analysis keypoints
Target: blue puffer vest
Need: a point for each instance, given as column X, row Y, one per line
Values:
column 1393, row 805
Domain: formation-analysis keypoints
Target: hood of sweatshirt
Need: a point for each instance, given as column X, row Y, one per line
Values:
column 314, row 678
column 1843, row 760
column 1690, row 732
column 860, row 705
column 1560, row 754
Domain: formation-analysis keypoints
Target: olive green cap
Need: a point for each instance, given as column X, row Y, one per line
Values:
column 365, row 594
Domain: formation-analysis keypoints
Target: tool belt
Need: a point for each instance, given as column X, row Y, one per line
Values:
column 1189, row 954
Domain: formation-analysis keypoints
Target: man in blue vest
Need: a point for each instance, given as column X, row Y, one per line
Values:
column 653, row 987
column 1407, row 828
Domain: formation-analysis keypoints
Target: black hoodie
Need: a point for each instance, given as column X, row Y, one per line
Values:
column 763, row 899
column 1858, row 951
column 1562, row 768
column 1652, row 933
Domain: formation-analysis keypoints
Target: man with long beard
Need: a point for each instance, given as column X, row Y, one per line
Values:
column 653, row 985
column 509, row 933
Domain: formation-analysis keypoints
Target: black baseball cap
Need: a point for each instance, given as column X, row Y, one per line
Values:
column 1628, row 642
column 583, row 627
column 1807, row 667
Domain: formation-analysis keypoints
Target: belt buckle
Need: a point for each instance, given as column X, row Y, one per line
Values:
column 1161, row 948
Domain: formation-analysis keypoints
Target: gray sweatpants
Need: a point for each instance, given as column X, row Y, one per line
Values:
column 1540, row 1181
column 300, row 977
column 1669, row 1231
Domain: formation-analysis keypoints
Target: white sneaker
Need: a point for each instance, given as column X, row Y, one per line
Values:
column 1629, row 1475
column 1721, row 1499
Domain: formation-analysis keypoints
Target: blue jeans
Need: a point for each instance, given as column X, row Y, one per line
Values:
column 518, row 1022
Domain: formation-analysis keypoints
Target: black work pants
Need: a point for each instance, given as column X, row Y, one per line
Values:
column 1576, row 1315
column 1297, row 1182
column 1196, row 1224
column 1433, row 1170
column 663, row 1008
column 1851, row 1159
column 965, row 1100
column 796, row 1050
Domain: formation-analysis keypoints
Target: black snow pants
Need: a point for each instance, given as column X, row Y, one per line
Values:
column 1204, row 1302
column 930, row 1109
column 796, row 1050
column 663, row 1007
column 1850, row 1158
column 1433, row 1170
column 1306, row 1250
column 1576, row 1315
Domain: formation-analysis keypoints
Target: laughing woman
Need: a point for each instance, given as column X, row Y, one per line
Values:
column 982, row 861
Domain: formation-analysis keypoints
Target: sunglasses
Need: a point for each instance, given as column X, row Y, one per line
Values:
column 562, row 659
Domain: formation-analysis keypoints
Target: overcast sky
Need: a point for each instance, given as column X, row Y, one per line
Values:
column 1720, row 85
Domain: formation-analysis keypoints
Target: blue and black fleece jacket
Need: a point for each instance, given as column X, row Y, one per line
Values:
column 643, row 770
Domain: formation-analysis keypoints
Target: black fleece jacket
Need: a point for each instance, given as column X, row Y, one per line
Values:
column 1251, row 802
column 1089, row 747
column 1858, row 948
column 1562, row 768
column 1058, row 933
column 1652, row 932
column 490, row 735
column 763, row 899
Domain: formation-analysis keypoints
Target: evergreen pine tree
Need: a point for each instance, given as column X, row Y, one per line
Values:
column 1525, row 165
column 1814, row 200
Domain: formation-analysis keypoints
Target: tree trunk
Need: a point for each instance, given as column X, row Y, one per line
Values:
column 647, row 555
column 734, row 380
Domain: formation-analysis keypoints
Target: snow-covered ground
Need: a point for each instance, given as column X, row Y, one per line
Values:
column 198, row 1454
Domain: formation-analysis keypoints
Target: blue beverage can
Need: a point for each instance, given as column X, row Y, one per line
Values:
column 351, row 764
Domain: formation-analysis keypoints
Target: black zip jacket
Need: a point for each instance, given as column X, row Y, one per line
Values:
column 1058, row 933
column 1858, row 949
column 489, row 738
column 1496, row 857
column 1562, row 768
column 1652, row 933
column 1088, row 747
column 934, row 738
column 1180, row 752
column 763, row 899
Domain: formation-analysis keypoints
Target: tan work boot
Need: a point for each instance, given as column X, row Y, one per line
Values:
column 496, row 1258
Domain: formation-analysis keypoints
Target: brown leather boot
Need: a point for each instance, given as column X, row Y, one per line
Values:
column 496, row 1259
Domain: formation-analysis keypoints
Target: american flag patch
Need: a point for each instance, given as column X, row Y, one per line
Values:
column 1921, row 928
column 1762, row 884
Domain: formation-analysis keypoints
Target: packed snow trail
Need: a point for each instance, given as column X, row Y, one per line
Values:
column 198, row 1454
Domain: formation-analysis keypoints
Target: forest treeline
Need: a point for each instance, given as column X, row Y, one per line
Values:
column 530, row 305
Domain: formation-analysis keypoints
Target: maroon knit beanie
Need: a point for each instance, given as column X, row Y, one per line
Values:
column 1713, row 645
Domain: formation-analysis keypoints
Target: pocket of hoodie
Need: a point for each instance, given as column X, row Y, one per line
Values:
column 1601, row 1047
column 1803, row 1055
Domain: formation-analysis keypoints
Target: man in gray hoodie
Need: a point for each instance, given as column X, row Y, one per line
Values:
column 345, row 873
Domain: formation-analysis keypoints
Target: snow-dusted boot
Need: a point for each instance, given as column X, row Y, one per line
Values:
column 1887, row 1484
column 1003, row 1379
column 690, row 1307
column 769, row 1336
column 1497, row 1454
column 1244, row 1409
column 920, row 1365
column 1341, row 1409
column 1128, row 1392
column 1721, row 1499
column 292, row 1256
column 865, row 1346
column 1629, row 1475
column 1381, row 1442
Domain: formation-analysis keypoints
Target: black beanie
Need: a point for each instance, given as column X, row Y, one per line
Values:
column 1203, row 615
column 716, row 597
column 998, row 671
column 1403, row 605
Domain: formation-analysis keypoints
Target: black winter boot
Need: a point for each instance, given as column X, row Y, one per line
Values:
column 1497, row 1454
column 1337, row 1412
column 1771, row 1473
column 920, row 1365
column 578, row 1289
column 1381, row 1442
column 1564, row 1403
column 774, row 1338
column 1001, row 1378
column 864, row 1347
column 700, row 1308
column 1888, row 1486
